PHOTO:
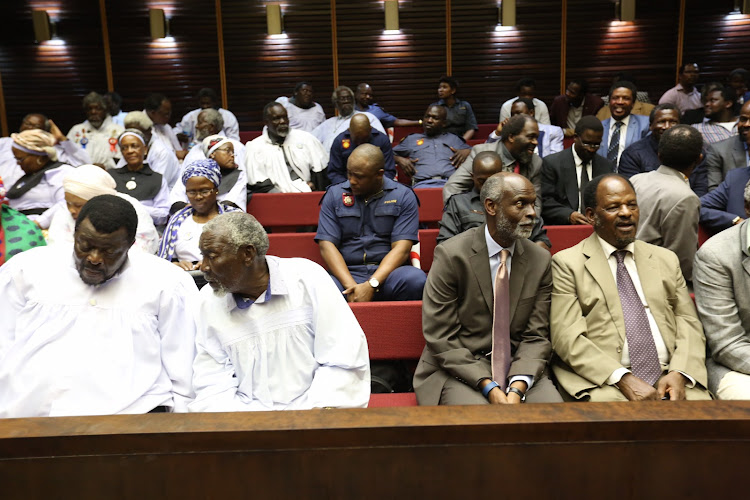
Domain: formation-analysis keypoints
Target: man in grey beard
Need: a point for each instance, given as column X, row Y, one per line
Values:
column 485, row 309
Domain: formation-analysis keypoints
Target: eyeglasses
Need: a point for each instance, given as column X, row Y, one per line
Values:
column 203, row 192
column 225, row 151
column 590, row 145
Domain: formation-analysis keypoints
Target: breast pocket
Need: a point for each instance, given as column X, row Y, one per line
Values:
column 349, row 220
column 384, row 218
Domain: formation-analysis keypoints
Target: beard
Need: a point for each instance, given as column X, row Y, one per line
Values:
column 621, row 242
column 514, row 232
column 201, row 134
column 524, row 157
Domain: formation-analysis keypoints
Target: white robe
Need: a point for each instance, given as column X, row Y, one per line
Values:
column 231, row 126
column 299, row 348
column 67, row 348
column 301, row 118
column 97, row 144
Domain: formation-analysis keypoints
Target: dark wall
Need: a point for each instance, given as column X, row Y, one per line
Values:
column 403, row 68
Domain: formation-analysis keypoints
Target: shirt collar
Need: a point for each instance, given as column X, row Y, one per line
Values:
column 624, row 121
column 610, row 249
column 576, row 158
column 276, row 286
column 493, row 247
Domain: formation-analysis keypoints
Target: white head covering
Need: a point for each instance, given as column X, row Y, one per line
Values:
column 88, row 181
column 212, row 143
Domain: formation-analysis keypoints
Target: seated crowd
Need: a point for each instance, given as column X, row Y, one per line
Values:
column 107, row 233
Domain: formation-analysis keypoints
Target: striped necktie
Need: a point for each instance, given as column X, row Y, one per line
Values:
column 614, row 145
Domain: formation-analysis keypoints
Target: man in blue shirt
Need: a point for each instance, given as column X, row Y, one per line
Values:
column 431, row 158
column 366, row 228
column 360, row 132
column 364, row 101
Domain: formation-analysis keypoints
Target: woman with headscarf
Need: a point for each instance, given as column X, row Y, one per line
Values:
column 40, row 188
column 17, row 232
column 201, row 180
column 82, row 184
column 233, row 186
column 138, row 180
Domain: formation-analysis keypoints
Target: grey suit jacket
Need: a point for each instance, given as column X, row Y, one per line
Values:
column 457, row 314
column 560, row 184
column 461, row 181
column 670, row 211
column 722, row 294
column 722, row 157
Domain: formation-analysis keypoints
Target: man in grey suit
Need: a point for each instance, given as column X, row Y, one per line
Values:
column 731, row 153
column 458, row 304
column 563, row 176
column 671, row 209
column 623, row 128
column 722, row 294
column 518, row 139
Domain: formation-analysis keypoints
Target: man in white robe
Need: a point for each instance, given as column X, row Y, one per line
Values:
column 95, row 331
column 97, row 136
column 207, row 99
column 273, row 334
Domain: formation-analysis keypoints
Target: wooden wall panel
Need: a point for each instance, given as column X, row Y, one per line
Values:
column 260, row 68
column 402, row 68
column 177, row 68
column 53, row 76
column 489, row 60
column 600, row 46
column 715, row 38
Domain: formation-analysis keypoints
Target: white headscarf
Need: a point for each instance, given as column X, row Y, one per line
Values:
column 212, row 143
column 88, row 181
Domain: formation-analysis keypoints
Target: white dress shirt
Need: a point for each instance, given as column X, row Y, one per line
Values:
column 579, row 169
column 298, row 346
column 623, row 135
column 67, row 348
column 301, row 118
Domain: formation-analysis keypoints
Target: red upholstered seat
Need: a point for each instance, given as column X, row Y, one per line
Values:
column 249, row 135
column 393, row 329
column 563, row 237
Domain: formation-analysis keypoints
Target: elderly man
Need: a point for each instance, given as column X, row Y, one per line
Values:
column 366, row 229
column 343, row 100
column 273, row 334
column 526, row 87
column 284, row 160
column 566, row 174
column 431, row 158
column 518, row 139
column 489, row 343
column 550, row 136
column 670, row 208
column 304, row 113
column 209, row 122
column 623, row 325
column 623, row 128
column 684, row 95
column 722, row 294
column 159, row 110
column 465, row 210
column 574, row 104
column 360, row 132
column 731, row 153
column 364, row 101
column 119, row 339
column 207, row 99
column 98, row 134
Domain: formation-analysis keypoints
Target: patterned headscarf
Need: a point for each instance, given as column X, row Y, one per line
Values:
column 35, row 142
column 212, row 143
column 203, row 168
column 168, row 242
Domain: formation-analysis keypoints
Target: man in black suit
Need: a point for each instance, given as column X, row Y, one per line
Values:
column 729, row 154
column 565, row 174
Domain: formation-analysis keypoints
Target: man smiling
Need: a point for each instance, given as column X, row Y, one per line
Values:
column 623, row 128
column 98, row 332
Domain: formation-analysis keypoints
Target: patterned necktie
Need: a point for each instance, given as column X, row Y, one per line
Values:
column 614, row 145
column 644, row 361
column 584, row 181
column 501, row 324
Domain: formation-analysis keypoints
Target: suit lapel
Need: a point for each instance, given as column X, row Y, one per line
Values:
column 517, row 273
column 739, row 154
column 599, row 269
column 480, row 265
column 648, row 274
column 571, row 183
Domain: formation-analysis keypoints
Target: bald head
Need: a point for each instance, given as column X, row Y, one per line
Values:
column 365, row 169
column 368, row 155
column 360, row 129
column 485, row 165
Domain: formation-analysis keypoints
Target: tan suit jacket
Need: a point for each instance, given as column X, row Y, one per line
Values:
column 457, row 314
column 587, row 323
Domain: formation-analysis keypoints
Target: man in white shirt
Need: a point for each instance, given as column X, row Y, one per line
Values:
column 526, row 87
column 304, row 113
column 207, row 99
column 282, row 159
column 622, row 323
column 550, row 136
column 159, row 110
column 343, row 100
column 98, row 134
column 94, row 330
column 273, row 334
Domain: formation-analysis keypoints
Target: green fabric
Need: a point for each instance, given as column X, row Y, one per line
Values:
column 18, row 234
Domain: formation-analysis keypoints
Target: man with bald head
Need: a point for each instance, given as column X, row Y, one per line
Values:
column 485, row 312
column 465, row 211
column 360, row 132
column 365, row 102
column 283, row 159
column 366, row 229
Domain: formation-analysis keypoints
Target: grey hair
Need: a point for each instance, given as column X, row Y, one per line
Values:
column 214, row 118
column 340, row 88
column 493, row 187
column 747, row 193
column 93, row 98
column 241, row 230
column 138, row 119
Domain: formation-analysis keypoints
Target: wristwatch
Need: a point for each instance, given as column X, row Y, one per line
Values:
column 520, row 393
column 374, row 283
column 736, row 220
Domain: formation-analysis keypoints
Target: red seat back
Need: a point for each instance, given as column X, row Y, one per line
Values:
column 563, row 237
column 393, row 329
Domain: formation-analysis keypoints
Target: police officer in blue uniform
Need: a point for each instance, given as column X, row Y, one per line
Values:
column 366, row 229
column 431, row 157
column 364, row 101
column 360, row 132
